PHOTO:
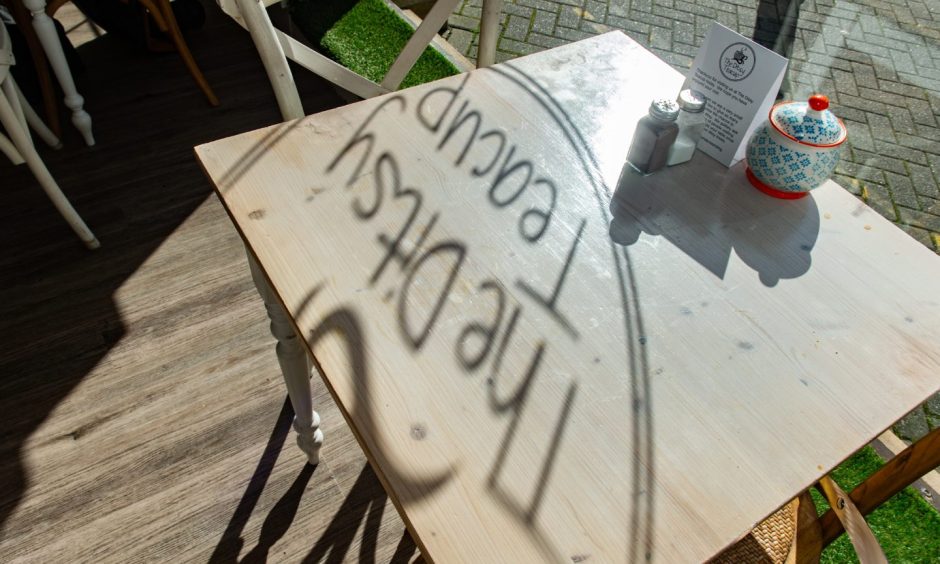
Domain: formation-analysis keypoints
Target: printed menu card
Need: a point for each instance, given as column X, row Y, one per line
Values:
column 740, row 79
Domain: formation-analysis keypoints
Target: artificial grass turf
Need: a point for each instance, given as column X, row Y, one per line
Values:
column 365, row 36
column 906, row 526
column 369, row 37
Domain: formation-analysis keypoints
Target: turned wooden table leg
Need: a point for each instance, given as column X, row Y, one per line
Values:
column 49, row 38
column 295, row 367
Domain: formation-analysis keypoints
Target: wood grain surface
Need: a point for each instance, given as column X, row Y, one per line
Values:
column 141, row 406
column 546, row 364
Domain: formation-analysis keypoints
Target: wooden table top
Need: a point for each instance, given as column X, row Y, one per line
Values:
column 536, row 378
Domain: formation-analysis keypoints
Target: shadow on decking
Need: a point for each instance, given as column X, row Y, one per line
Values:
column 134, row 189
column 366, row 501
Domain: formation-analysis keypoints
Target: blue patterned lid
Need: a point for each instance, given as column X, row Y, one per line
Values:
column 809, row 123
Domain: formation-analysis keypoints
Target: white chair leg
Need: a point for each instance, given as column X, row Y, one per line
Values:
column 9, row 90
column 489, row 32
column 272, row 56
column 49, row 39
column 33, row 119
column 7, row 148
column 25, row 147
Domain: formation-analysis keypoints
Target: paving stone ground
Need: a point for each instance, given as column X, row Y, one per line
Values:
column 877, row 60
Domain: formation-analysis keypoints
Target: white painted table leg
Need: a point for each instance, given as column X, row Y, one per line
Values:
column 45, row 29
column 489, row 32
column 295, row 367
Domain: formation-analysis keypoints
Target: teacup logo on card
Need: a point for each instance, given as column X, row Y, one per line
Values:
column 737, row 61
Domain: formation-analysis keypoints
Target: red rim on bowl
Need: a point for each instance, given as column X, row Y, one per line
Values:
column 771, row 191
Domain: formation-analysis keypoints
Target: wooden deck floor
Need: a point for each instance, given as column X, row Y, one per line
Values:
column 142, row 416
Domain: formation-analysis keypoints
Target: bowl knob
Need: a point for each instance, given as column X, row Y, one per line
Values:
column 818, row 102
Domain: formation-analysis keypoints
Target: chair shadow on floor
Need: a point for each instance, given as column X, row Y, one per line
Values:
column 366, row 501
column 60, row 315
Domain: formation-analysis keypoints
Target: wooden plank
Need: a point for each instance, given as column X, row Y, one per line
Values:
column 808, row 544
column 657, row 357
column 140, row 398
column 895, row 446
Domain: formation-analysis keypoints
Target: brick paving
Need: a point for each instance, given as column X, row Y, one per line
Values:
column 877, row 60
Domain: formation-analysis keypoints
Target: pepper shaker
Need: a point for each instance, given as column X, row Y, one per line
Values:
column 655, row 133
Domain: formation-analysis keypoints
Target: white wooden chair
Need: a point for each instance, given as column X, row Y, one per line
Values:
column 16, row 115
column 275, row 47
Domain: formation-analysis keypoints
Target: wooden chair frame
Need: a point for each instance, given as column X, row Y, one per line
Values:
column 162, row 14
column 275, row 47
column 797, row 534
column 847, row 511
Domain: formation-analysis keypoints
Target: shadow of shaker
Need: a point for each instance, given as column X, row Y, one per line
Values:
column 709, row 213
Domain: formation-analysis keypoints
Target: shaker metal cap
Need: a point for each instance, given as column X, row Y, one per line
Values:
column 691, row 100
column 664, row 109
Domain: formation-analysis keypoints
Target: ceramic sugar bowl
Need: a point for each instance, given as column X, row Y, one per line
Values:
column 797, row 149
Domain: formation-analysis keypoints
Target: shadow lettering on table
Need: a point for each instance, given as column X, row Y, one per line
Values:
column 641, row 518
column 404, row 264
column 416, row 256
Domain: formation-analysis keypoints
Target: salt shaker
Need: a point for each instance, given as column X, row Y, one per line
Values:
column 655, row 133
column 691, row 123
